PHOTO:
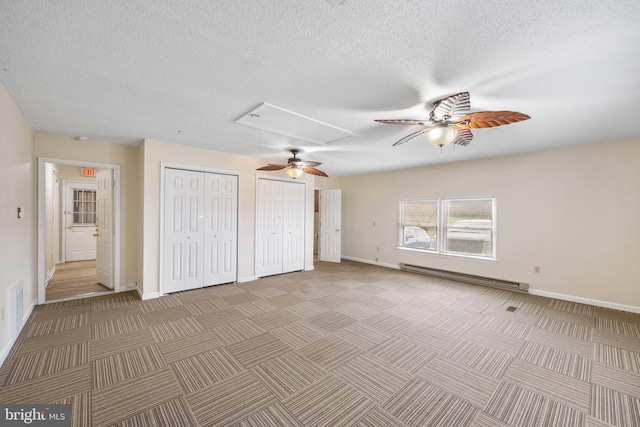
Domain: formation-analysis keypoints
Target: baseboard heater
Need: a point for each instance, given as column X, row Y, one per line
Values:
column 467, row 278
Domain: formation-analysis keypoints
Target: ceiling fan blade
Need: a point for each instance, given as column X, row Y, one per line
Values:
column 313, row 171
column 271, row 167
column 304, row 163
column 412, row 136
column 409, row 122
column 464, row 137
column 453, row 107
column 489, row 119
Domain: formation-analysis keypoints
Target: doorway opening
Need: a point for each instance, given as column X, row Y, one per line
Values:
column 78, row 229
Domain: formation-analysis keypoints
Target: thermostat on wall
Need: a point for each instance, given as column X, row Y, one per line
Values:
column 21, row 213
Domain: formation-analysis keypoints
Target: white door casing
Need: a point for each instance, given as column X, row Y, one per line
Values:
column 330, row 225
column 79, row 242
column 41, row 229
column 104, row 227
column 220, row 228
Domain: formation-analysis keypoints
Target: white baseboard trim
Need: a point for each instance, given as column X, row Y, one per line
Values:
column 309, row 268
column 588, row 301
column 28, row 313
column 150, row 295
column 368, row 261
column 247, row 279
column 7, row 348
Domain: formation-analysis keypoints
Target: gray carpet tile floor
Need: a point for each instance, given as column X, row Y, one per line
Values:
column 347, row 344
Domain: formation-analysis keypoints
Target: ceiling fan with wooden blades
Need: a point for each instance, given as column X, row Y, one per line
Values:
column 450, row 121
column 295, row 166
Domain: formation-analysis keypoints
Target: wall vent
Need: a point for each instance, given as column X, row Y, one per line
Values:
column 17, row 300
column 468, row 278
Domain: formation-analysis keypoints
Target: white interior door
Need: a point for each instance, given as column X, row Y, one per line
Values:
column 174, row 224
column 330, row 225
column 194, row 216
column 269, row 228
column 293, row 231
column 183, row 230
column 104, row 227
column 79, row 221
column 220, row 228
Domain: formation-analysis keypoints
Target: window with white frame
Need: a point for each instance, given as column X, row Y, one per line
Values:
column 84, row 206
column 455, row 226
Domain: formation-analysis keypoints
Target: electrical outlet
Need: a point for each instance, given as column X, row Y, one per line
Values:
column 536, row 269
column 376, row 259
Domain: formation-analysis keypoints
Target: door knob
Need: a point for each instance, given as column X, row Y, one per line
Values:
column 69, row 227
column 337, row 229
column 95, row 234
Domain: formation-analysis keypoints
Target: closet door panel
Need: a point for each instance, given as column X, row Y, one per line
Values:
column 194, row 213
column 269, row 228
column 174, row 230
column 221, row 228
column 293, row 230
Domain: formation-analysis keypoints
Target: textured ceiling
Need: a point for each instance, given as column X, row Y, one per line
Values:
column 183, row 71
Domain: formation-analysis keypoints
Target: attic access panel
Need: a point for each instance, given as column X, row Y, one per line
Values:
column 283, row 122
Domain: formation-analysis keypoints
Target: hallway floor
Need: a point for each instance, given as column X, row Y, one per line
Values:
column 74, row 278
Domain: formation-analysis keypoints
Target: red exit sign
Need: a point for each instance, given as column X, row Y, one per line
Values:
column 88, row 172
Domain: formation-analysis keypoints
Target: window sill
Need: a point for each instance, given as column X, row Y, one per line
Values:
column 448, row 254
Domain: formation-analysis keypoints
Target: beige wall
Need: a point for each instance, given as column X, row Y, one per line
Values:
column 17, row 236
column 322, row 183
column 156, row 152
column 574, row 212
column 66, row 148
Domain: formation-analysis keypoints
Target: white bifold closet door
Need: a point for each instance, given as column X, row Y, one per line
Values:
column 280, row 227
column 200, row 229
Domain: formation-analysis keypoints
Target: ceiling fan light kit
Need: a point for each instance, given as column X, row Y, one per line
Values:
column 294, row 173
column 441, row 136
column 450, row 121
